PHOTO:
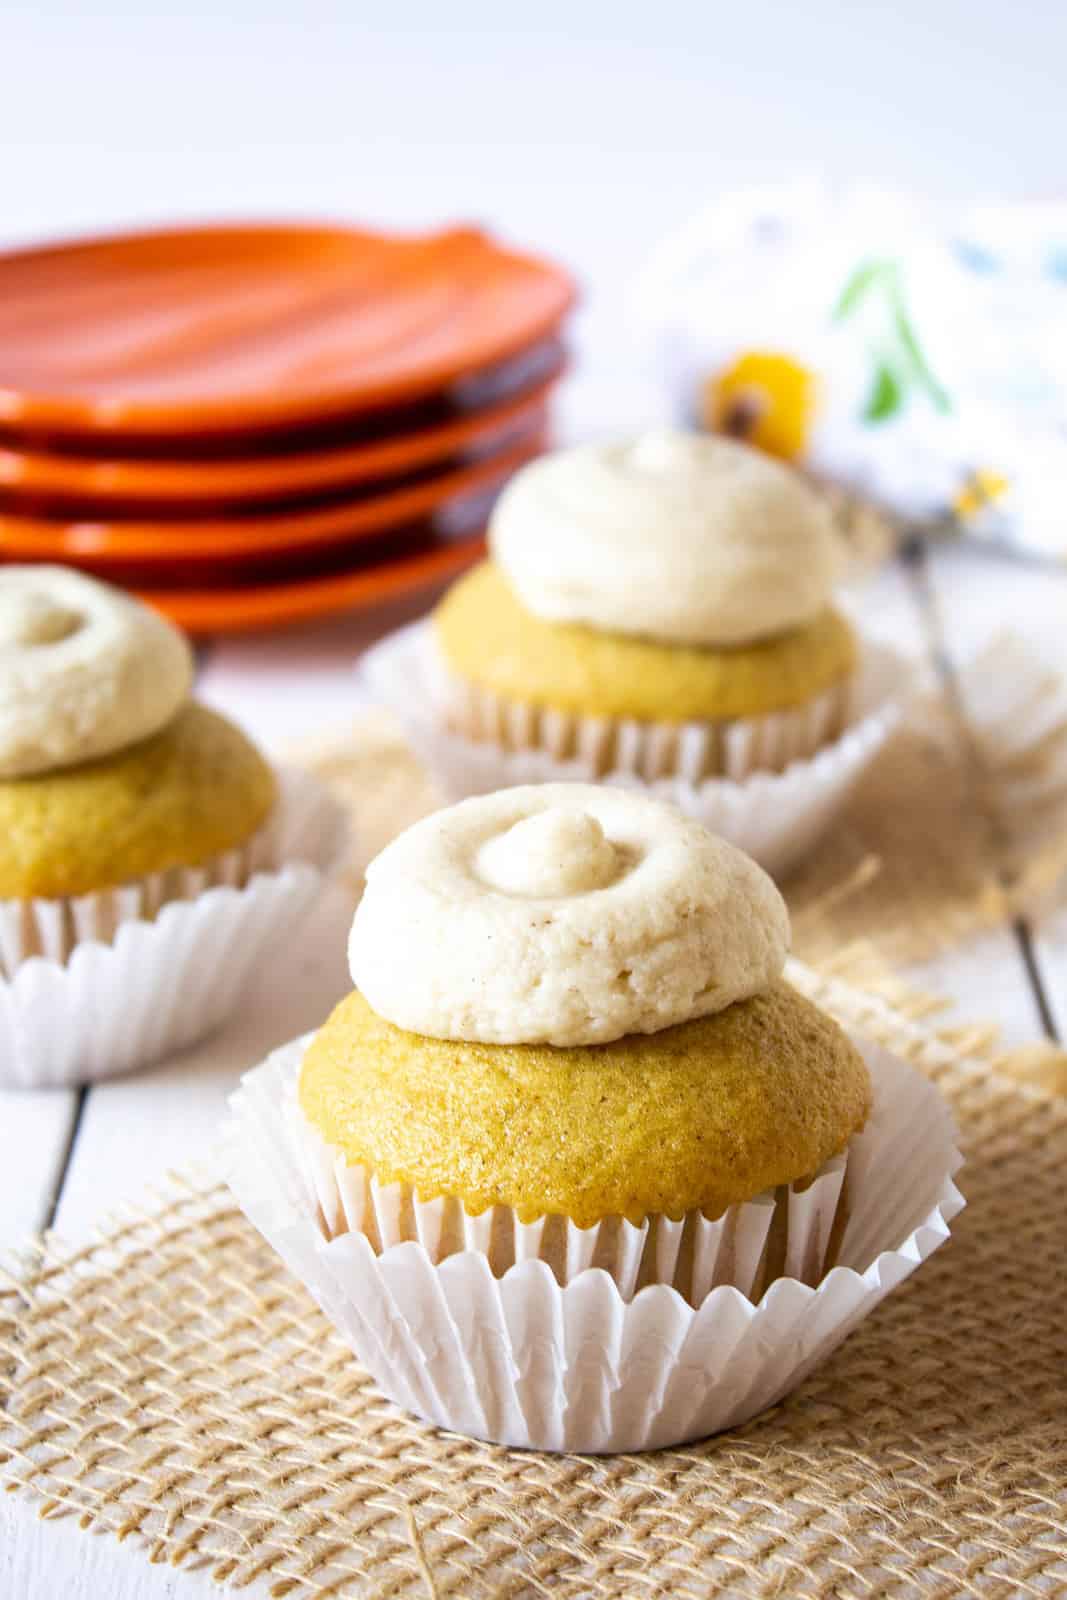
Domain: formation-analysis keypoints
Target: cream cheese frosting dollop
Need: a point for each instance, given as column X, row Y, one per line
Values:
column 684, row 537
column 84, row 670
column 562, row 914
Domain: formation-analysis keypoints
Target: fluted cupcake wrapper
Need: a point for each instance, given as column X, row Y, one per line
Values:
column 135, row 978
column 584, row 1351
column 786, row 774
column 692, row 751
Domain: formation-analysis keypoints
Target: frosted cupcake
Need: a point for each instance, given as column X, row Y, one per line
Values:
column 571, row 1066
column 120, row 798
column 655, row 612
column 673, row 593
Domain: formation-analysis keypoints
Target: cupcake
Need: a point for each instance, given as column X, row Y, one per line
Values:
column 660, row 613
column 122, row 799
column 678, row 588
column 573, row 1134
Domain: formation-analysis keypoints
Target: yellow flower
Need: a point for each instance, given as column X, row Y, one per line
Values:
column 765, row 398
column 983, row 488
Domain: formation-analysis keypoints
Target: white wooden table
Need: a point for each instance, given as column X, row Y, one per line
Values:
column 68, row 1157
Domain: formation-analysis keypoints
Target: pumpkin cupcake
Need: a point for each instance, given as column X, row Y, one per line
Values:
column 673, row 593
column 659, row 612
column 120, row 798
column 571, row 1066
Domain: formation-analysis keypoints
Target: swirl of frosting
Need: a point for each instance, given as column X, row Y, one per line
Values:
column 84, row 670
column 562, row 914
column 688, row 538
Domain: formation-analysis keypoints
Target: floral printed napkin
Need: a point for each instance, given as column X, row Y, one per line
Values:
column 919, row 360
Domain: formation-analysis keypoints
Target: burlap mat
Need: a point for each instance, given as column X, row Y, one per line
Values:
column 173, row 1385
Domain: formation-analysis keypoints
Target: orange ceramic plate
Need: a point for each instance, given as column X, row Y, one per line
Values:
column 225, row 329
column 76, row 485
column 208, row 543
column 244, row 609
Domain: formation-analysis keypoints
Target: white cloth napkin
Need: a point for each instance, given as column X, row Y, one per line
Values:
column 933, row 349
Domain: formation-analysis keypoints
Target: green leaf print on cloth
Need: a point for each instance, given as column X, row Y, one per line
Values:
column 901, row 368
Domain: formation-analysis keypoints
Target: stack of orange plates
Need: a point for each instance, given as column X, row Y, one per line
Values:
column 251, row 425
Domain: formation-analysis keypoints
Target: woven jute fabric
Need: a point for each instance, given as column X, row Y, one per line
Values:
column 172, row 1384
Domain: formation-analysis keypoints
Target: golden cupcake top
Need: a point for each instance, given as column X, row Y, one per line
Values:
column 683, row 537
column 487, row 637
column 562, row 914
column 187, row 794
column 84, row 670
column 700, row 1116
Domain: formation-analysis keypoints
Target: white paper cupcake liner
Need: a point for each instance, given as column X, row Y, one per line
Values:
column 786, row 1231
column 133, row 990
column 527, row 1360
column 776, row 816
column 692, row 751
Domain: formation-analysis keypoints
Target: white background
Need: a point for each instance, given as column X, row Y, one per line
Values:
column 587, row 129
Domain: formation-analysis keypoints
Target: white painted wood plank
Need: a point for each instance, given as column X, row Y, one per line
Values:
column 35, row 1133
column 975, row 598
column 57, row 1560
column 284, row 685
column 136, row 1129
column 883, row 603
column 979, row 596
column 985, row 980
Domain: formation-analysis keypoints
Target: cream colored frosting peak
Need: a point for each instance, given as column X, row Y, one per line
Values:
column 84, row 670
column 685, row 537
column 555, row 852
column 562, row 914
